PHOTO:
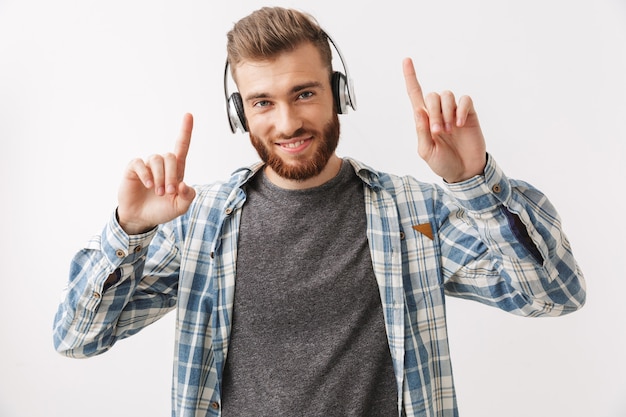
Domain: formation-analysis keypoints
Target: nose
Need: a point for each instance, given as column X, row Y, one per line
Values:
column 287, row 120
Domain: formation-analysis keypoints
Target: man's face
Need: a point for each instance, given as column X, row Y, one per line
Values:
column 288, row 104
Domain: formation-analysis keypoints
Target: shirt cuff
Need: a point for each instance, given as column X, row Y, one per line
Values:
column 119, row 247
column 483, row 192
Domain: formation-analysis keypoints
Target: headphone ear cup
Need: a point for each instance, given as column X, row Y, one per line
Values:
column 340, row 92
column 236, row 115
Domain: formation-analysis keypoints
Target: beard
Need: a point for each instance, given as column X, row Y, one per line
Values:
column 304, row 168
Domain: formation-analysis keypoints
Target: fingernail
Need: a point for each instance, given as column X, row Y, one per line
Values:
column 160, row 191
column 436, row 127
column 171, row 189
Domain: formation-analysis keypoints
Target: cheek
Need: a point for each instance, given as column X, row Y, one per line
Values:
column 259, row 125
column 254, row 130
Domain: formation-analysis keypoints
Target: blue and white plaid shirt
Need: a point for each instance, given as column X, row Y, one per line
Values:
column 425, row 243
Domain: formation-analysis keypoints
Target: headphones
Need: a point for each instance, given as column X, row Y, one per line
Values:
column 343, row 94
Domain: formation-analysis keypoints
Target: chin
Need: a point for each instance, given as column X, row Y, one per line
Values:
column 304, row 169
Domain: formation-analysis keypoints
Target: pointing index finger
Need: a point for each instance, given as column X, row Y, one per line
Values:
column 413, row 87
column 181, row 148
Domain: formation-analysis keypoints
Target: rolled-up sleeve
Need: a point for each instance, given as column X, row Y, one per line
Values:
column 504, row 246
column 118, row 284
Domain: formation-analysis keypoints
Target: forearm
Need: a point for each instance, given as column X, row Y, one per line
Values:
column 523, row 262
column 111, row 293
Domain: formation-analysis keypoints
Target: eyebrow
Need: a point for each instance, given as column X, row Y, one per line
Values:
column 295, row 89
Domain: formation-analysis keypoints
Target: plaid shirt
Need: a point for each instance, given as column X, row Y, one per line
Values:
column 425, row 243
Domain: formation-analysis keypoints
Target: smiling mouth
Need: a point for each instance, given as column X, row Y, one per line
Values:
column 293, row 145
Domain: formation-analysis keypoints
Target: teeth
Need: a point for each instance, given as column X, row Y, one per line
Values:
column 293, row 144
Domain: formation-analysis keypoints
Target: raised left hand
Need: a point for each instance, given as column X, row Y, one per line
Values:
column 449, row 136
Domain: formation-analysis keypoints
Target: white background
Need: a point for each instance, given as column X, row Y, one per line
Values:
column 87, row 85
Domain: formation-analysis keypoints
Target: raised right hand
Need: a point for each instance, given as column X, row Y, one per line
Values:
column 153, row 191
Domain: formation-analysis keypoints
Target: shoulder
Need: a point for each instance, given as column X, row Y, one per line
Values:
column 221, row 190
column 213, row 199
column 396, row 185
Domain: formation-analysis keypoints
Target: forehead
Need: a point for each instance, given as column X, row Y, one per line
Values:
column 301, row 65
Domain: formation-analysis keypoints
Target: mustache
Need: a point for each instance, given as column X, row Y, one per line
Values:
column 298, row 133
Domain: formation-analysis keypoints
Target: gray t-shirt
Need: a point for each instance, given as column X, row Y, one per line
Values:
column 308, row 335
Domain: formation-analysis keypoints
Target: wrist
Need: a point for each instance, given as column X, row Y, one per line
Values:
column 132, row 228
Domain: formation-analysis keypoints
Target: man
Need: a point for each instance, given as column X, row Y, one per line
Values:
column 308, row 284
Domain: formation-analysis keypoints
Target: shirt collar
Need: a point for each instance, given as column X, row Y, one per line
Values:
column 367, row 174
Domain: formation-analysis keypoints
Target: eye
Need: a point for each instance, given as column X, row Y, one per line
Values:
column 305, row 95
column 262, row 103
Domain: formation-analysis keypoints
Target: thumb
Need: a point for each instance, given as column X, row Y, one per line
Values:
column 425, row 141
column 186, row 194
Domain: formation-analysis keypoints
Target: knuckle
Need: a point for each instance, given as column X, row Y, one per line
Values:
column 154, row 158
column 447, row 94
column 432, row 96
column 135, row 162
column 136, row 165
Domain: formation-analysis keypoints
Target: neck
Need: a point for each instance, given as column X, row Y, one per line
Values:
column 328, row 173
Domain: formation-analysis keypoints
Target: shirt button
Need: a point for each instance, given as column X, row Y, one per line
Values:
column 120, row 253
column 138, row 249
column 401, row 235
column 96, row 295
column 228, row 211
column 212, row 255
column 496, row 188
column 215, row 405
